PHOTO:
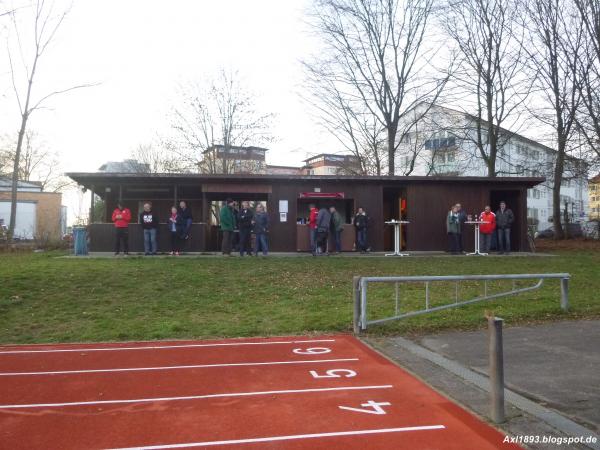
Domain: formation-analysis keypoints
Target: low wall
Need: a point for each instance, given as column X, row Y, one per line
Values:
column 102, row 238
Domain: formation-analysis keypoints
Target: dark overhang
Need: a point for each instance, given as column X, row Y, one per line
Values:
column 89, row 179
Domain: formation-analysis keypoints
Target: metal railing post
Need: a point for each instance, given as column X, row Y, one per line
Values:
column 363, row 304
column 427, row 295
column 356, row 299
column 496, row 369
column 564, row 294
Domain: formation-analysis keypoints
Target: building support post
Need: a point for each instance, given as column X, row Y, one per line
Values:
column 92, row 194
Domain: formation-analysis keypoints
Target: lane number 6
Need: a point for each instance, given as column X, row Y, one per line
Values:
column 311, row 351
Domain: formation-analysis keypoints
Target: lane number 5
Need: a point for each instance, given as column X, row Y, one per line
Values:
column 334, row 373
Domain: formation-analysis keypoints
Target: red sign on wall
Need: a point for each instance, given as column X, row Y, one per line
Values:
column 322, row 195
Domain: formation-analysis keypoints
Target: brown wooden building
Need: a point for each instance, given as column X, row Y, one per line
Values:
column 425, row 202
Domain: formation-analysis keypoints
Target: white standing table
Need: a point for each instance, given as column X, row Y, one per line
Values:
column 476, row 223
column 397, row 237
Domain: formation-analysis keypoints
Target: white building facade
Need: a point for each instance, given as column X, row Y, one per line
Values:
column 442, row 142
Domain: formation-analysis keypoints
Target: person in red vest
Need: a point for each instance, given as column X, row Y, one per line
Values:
column 312, row 226
column 486, row 229
column 121, row 217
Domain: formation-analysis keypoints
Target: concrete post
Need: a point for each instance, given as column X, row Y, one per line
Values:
column 496, row 369
column 564, row 294
column 356, row 300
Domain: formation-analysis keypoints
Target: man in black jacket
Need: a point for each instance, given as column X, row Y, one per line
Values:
column 244, row 220
column 504, row 220
column 149, row 221
column 361, row 223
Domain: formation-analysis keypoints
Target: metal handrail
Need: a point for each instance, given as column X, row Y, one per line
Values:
column 360, row 293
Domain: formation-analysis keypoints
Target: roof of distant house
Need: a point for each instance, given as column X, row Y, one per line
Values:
column 125, row 166
column 235, row 147
column 6, row 185
column 330, row 155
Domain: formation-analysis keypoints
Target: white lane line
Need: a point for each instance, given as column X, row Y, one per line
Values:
column 196, row 366
column 196, row 397
column 287, row 438
column 162, row 347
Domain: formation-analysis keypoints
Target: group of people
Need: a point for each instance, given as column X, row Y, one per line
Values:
column 326, row 222
column 498, row 223
column 246, row 222
column 179, row 224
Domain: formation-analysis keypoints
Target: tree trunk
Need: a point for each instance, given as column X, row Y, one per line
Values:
column 391, row 144
column 558, row 173
column 15, row 180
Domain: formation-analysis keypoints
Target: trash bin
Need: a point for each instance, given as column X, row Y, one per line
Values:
column 80, row 241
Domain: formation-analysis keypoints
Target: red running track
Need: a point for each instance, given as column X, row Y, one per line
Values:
column 321, row 393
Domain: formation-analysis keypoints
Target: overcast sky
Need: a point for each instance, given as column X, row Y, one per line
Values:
column 140, row 51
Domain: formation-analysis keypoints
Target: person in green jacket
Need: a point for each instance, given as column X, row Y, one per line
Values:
column 453, row 229
column 227, row 220
column 337, row 226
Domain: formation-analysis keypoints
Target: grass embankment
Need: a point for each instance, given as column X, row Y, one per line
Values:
column 49, row 299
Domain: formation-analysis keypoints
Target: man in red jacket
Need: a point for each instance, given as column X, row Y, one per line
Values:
column 312, row 226
column 486, row 229
column 121, row 217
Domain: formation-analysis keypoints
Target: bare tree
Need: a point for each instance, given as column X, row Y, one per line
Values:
column 491, row 73
column 376, row 57
column 223, row 113
column 589, row 76
column 36, row 163
column 28, row 52
column 150, row 159
column 353, row 125
column 554, row 54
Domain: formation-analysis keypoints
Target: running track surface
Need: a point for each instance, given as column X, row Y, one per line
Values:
column 321, row 393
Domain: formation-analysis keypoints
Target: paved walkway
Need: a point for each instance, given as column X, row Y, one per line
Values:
column 557, row 364
column 551, row 375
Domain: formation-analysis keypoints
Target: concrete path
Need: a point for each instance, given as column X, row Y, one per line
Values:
column 556, row 364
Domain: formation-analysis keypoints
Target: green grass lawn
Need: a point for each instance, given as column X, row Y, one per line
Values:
column 48, row 299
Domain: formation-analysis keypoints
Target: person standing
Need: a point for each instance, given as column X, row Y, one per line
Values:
column 462, row 218
column 504, row 221
column 186, row 216
column 337, row 226
column 261, row 228
column 121, row 217
column 227, row 223
column 175, row 225
column 235, row 237
column 361, row 224
column 323, row 224
column 149, row 221
column 312, row 226
column 453, row 230
column 244, row 220
column 486, row 229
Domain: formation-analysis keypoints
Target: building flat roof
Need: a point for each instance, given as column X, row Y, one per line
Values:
column 88, row 178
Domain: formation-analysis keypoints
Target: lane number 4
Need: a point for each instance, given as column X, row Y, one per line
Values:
column 371, row 407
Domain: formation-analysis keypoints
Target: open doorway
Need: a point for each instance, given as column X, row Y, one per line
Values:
column 395, row 206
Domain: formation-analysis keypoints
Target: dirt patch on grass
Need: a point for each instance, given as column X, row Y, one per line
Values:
column 550, row 245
